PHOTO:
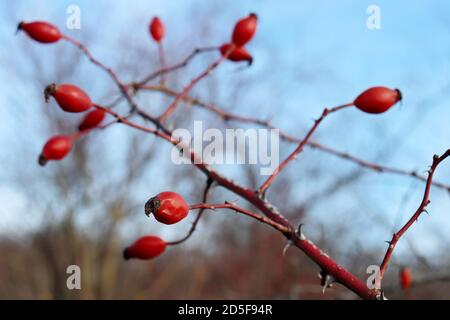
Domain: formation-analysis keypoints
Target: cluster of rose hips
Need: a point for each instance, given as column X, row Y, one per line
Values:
column 166, row 207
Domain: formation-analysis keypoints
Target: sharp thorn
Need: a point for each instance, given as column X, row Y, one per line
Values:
column 286, row 247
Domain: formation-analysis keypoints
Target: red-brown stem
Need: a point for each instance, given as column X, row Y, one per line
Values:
column 93, row 60
column 193, row 82
column 425, row 201
column 182, row 64
column 300, row 147
column 162, row 61
column 228, row 205
column 324, row 261
column 331, row 267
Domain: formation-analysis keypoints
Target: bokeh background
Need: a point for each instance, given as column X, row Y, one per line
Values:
column 308, row 55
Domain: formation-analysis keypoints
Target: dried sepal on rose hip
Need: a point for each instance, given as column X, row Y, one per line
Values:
column 244, row 30
column 40, row 31
column 69, row 97
column 145, row 248
column 405, row 278
column 377, row 99
column 92, row 120
column 156, row 29
column 237, row 54
column 167, row 207
column 56, row 148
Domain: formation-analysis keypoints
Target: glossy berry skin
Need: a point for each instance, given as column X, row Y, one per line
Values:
column 156, row 29
column 145, row 248
column 377, row 99
column 244, row 30
column 92, row 119
column 237, row 54
column 405, row 278
column 69, row 97
column 40, row 31
column 56, row 148
column 167, row 207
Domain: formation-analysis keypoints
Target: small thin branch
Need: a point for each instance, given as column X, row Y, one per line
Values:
column 228, row 205
column 300, row 147
column 193, row 82
column 162, row 61
column 209, row 183
column 175, row 67
column 422, row 208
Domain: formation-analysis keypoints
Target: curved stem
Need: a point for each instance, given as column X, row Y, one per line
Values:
column 425, row 202
column 300, row 147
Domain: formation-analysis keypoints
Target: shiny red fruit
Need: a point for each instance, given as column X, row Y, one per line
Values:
column 377, row 99
column 405, row 278
column 55, row 149
column 167, row 207
column 157, row 29
column 145, row 248
column 69, row 97
column 92, row 119
column 244, row 30
column 237, row 54
column 40, row 31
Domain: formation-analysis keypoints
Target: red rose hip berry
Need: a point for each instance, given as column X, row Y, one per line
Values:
column 56, row 148
column 377, row 99
column 92, row 120
column 40, row 31
column 156, row 29
column 237, row 54
column 145, row 248
column 405, row 278
column 69, row 97
column 244, row 30
column 167, row 207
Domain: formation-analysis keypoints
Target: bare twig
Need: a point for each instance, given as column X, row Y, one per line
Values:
column 171, row 108
column 175, row 67
column 300, row 147
column 422, row 208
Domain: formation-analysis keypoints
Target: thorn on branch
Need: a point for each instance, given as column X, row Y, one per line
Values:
column 326, row 281
column 299, row 232
column 382, row 296
column 287, row 246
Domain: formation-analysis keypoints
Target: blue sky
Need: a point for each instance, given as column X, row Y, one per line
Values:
column 312, row 54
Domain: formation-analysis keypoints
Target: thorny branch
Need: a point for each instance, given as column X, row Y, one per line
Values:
column 421, row 209
column 300, row 147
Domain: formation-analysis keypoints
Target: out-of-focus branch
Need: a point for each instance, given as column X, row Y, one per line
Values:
column 171, row 108
column 422, row 208
column 162, row 61
column 180, row 65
